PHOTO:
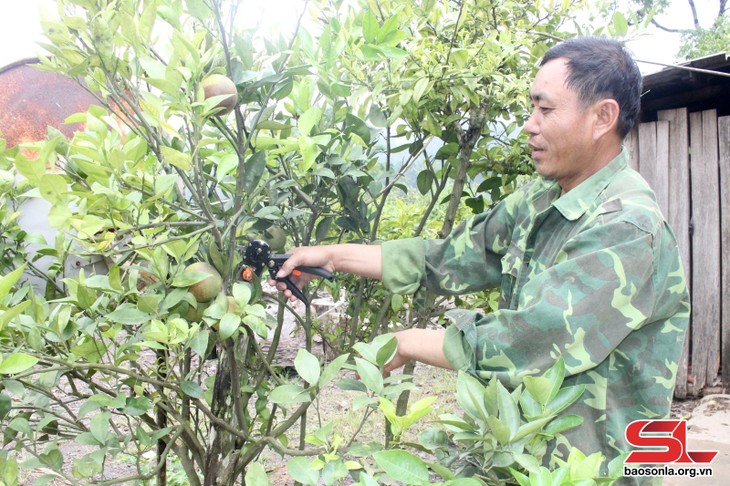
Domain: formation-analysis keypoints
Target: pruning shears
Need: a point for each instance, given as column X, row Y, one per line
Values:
column 257, row 255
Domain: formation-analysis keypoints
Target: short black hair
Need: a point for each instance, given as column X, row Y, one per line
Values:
column 600, row 68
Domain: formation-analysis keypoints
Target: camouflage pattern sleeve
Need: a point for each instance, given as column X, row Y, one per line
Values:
column 413, row 264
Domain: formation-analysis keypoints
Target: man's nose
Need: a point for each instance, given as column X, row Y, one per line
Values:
column 531, row 126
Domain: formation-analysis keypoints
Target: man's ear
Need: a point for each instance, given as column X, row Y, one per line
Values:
column 607, row 113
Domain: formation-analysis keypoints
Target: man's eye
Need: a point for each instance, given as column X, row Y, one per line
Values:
column 544, row 109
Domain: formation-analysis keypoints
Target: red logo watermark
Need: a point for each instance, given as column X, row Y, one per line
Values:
column 664, row 442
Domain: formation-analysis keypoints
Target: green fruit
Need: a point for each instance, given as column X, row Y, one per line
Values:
column 195, row 314
column 275, row 236
column 208, row 288
column 218, row 85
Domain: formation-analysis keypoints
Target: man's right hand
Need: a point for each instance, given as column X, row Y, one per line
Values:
column 363, row 260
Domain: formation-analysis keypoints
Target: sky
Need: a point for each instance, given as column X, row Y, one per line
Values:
column 20, row 29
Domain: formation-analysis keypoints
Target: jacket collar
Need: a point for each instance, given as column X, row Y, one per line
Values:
column 577, row 201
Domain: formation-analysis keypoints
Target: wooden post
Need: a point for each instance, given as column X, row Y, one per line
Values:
column 723, row 129
column 679, row 213
column 705, row 248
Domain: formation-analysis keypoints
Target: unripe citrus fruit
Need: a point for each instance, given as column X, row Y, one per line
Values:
column 218, row 85
column 275, row 236
column 208, row 288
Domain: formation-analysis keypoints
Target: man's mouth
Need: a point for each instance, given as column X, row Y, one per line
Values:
column 535, row 148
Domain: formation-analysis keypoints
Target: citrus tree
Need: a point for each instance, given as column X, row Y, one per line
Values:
column 185, row 159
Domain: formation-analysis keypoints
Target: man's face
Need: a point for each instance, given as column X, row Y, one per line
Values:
column 561, row 131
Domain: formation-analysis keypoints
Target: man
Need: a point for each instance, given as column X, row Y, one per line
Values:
column 588, row 268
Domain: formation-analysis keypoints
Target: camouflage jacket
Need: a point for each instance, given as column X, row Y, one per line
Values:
column 594, row 276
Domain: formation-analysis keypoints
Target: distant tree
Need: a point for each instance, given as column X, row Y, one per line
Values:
column 697, row 41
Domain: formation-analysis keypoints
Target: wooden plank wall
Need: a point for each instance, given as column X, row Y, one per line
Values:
column 705, row 358
column 723, row 136
column 685, row 157
column 679, row 210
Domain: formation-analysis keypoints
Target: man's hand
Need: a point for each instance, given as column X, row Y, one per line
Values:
column 363, row 260
column 312, row 256
column 422, row 345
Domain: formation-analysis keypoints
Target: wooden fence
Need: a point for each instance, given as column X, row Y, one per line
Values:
column 686, row 159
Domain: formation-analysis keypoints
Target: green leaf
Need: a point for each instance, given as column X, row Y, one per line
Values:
column 556, row 375
column 530, row 407
column 181, row 160
column 370, row 375
column 241, row 293
column 539, row 388
column 128, row 314
column 499, row 429
column 620, row 24
column 137, row 406
column 199, row 342
column 370, row 27
column 332, row 370
column 255, row 166
column 256, row 475
column 531, row 428
column 309, row 119
column 334, row 471
column 509, row 413
column 565, row 397
column 402, row 466
column 357, row 126
column 563, row 423
column 286, row 394
column 307, row 366
column 420, row 88
column 33, row 170
column 377, row 117
column 464, row 482
column 367, row 351
column 299, row 469
column 442, row 471
column 386, row 352
column 367, row 480
column 424, row 181
column 469, row 395
column 228, row 325
column 12, row 313
column 396, row 302
column 309, row 150
column 7, row 281
column 53, row 188
column 5, row 405
column 99, row 427
column 186, row 279
column 351, row 384
column 52, row 458
column 272, row 125
column 17, row 363
column 191, row 389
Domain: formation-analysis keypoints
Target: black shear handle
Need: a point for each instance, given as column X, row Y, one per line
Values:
column 318, row 271
column 294, row 289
